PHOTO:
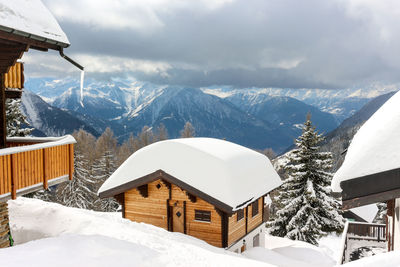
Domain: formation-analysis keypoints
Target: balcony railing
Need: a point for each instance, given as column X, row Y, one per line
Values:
column 30, row 164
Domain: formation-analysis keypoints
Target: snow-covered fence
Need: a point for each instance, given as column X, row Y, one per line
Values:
column 29, row 164
column 356, row 234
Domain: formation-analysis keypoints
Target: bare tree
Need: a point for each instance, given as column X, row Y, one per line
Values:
column 188, row 130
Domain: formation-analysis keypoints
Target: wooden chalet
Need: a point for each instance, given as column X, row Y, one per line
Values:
column 207, row 188
column 371, row 170
column 27, row 164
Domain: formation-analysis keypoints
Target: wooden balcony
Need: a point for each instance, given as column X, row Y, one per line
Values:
column 31, row 164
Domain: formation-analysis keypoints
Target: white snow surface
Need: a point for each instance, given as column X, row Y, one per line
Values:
column 78, row 237
column 223, row 170
column 45, row 142
column 367, row 212
column 48, row 235
column 32, row 17
column 375, row 147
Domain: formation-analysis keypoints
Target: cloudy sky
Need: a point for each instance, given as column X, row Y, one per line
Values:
column 243, row 43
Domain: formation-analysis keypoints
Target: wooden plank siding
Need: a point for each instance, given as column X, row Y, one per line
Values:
column 29, row 168
column 153, row 209
column 236, row 229
column 207, row 231
column 253, row 222
column 14, row 78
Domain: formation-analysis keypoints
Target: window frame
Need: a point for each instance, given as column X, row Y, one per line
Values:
column 242, row 215
column 202, row 215
column 254, row 212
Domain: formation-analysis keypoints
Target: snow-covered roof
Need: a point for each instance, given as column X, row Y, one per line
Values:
column 367, row 212
column 375, row 147
column 30, row 18
column 225, row 171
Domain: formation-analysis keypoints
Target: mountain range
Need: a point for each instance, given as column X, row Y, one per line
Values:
column 256, row 118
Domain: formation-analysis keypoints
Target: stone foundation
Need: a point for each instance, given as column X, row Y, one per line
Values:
column 4, row 226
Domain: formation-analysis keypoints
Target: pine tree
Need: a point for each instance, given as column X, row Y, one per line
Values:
column 16, row 119
column 307, row 210
column 102, row 170
column 80, row 192
column 188, row 130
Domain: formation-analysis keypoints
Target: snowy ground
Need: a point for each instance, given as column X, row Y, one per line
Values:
column 48, row 234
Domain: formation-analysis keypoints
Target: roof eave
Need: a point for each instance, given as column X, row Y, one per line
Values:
column 373, row 188
column 21, row 36
column 160, row 174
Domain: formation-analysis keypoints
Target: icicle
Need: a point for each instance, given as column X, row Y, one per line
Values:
column 82, row 78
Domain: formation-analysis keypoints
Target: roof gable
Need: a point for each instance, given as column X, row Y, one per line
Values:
column 227, row 172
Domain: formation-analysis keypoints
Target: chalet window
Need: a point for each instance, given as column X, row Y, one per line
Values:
column 254, row 208
column 240, row 214
column 202, row 215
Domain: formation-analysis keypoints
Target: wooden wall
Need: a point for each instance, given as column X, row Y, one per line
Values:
column 211, row 232
column 152, row 209
column 236, row 229
column 253, row 222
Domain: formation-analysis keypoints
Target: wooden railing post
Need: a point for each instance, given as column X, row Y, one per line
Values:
column 45, row 178
column 71, row 160
column 3, row 128
column 13, row 178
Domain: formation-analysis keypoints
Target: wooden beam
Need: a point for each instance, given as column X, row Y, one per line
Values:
column 45, row 177
column 3, row 128
column 13, row 94
column 224, row 229
column 27, row 41
column 143, row 190
column 13, row 178
column 246, row 220
column 191, row 197
column 184, row 217
column 370, row 199
column 71, row 161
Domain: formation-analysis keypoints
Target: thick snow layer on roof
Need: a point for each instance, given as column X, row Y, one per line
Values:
column 375, row 147
column 223, row 170
column 32, row 17
column 367, row 212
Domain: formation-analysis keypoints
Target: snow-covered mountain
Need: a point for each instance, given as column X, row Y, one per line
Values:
column 257, row 118
column 48, row 120
column 341, row 103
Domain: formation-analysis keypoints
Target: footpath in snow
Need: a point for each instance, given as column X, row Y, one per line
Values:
column 48, row 234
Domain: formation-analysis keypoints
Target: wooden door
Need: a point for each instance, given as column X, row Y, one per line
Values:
column 178, row 216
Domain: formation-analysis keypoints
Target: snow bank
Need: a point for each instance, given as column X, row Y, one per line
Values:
column 78, row 250
column 375, row 147
column 44, row 142
column 30, row 17
column 390, row 259
column 228, row 172
column 299, row 252
column 120, row 239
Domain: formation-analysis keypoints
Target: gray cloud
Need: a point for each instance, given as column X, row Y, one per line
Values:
column 298, row 44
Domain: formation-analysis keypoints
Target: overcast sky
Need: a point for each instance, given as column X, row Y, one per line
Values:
column 243, row 43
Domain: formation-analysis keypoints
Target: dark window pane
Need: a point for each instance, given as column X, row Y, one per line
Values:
column 240, row 214
column 202, row 215
column 254, row 208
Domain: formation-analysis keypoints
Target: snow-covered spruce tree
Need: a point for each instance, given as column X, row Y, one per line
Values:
column 79, row 192
column 102, row 170
column 307, row 209
column 15, row 119
column 103, row 166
